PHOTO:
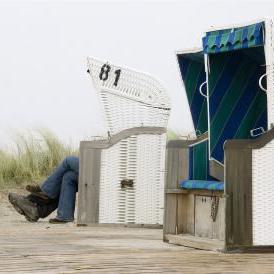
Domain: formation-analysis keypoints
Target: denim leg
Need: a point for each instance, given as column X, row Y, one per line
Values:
column 67, row 196
column 52, row 185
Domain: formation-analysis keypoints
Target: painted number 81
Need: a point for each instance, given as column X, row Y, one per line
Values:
column 104, row 73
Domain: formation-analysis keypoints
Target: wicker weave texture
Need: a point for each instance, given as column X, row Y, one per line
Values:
column 269, row 56
column 270, row 96
column 137, row 99
column 140, row 158
column 263, row 195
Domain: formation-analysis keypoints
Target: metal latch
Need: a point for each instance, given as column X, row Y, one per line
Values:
column 201, row 91
column 126, row 183
column 214, row 207
column 257, row 131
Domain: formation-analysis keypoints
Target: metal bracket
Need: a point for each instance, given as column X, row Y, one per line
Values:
column 260, row 131
column 200, row 89
column 214, row 207
column 198, row 132
column 126, row 183
column 260, row 82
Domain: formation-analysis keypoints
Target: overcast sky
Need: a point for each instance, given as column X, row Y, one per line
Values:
column 44, row 45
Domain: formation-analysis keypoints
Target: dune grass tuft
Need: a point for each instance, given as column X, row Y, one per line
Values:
column 172, row 135
column 32, row 158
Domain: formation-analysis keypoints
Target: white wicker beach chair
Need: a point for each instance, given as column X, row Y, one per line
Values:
column 122, row 175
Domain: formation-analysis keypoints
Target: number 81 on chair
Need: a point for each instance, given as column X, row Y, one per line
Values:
column 105, row 72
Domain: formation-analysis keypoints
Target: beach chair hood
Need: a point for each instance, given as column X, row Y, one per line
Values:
column 191, row 65
column 237, row 105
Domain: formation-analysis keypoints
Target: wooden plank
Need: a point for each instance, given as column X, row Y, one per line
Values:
column 196, row 242
column 46, row 248
column 170, row 216
column 89, row 186
column 172, row 168
column 240, row 144
column 176, row 191
column 179, row 217
column 204, row 224
column 148, row 226
column 203, row 192
column 216, row 170
column 181, row 214
column 114, row 139
column 177, row 162
column 238, row 187
column 175, row 171
column 183, row 165
column 218, row 227
column 191, row 214
column 203, row 221
column 185, row 214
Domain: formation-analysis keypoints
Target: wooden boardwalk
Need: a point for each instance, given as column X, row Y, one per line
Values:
column 45, row 248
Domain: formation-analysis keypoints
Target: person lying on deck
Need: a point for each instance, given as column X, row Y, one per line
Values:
column 58, row 191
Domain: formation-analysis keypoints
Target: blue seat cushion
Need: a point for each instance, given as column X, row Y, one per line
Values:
column 200, row 184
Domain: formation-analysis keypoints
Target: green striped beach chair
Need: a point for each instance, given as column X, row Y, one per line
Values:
column 220, row 195
column 191, row 190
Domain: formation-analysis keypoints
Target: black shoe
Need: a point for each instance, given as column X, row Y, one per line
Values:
column 59, row 221
column 24, row 207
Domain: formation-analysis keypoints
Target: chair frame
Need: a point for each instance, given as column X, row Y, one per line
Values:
column 246, row 170
column 122, row 175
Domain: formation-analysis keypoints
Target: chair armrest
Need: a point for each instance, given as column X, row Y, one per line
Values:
column 239, row 181
column 177, row 161
column 179, row 143
column 114, row 139
column 250, row 143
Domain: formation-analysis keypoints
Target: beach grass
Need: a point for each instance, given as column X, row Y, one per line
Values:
column 32, row 157
column 172, row 134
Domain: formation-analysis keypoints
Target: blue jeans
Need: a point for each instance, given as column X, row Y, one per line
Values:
column 63, row 183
